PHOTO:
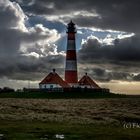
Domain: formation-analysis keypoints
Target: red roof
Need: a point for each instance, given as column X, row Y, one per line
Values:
column 87, row 81
column 54, row 78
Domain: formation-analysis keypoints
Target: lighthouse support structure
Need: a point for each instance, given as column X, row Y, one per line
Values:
column 71, row 76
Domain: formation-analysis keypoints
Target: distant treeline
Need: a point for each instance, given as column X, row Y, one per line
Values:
column 64, row 90
column 6, row 90
column 68, row 90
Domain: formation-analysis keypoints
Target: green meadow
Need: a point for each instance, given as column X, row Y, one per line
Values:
column 34, row 130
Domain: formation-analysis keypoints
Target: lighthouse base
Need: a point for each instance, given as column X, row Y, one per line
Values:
column 71, row 77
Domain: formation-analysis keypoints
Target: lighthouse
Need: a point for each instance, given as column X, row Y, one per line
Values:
column 54, row 83
column 71, row 76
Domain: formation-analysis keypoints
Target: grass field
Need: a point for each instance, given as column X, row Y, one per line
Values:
column 69, row 119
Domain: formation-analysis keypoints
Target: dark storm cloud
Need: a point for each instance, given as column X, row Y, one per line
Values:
column 18, row 47
column 25, row 56
column 11, row 39
column 122, row 58
column 125, row 50
column 102, row 75
column 115, row 15
column 111, row 14
column 16, row 65
column 30, row 68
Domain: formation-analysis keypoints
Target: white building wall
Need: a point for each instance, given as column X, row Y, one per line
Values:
column 48, row 86
column 86, row 86
column 75, row 85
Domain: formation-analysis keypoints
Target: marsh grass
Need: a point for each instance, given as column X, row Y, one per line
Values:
column 23, row 119
column 71, row 110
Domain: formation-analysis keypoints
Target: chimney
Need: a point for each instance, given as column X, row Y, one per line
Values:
column 53, row 70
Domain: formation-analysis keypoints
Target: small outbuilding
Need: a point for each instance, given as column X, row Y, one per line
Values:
column 53, row 80
column 87, row 82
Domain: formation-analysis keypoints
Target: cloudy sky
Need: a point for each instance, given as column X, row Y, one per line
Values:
column 33, row 41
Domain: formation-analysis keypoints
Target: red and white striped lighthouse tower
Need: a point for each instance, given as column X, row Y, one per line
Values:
column 71, row 76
